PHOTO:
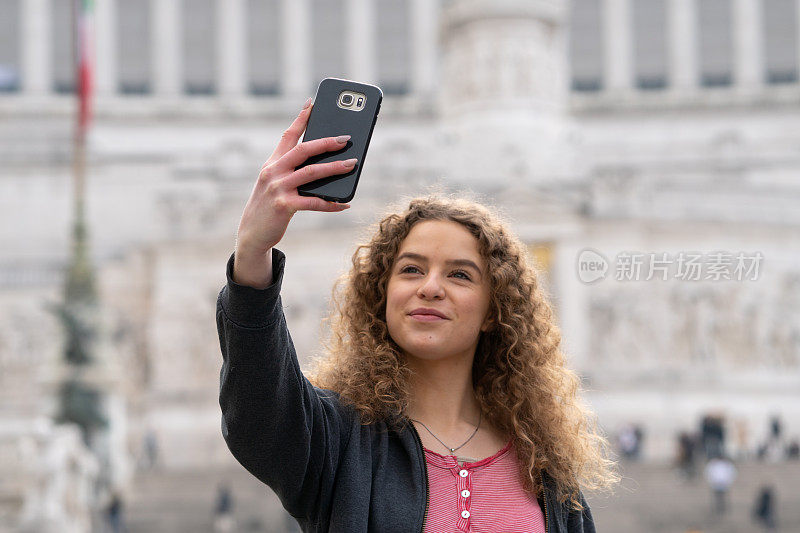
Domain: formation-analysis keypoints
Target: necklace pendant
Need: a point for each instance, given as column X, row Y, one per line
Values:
column 452, row 450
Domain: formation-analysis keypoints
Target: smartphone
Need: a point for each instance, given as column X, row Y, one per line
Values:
column 341, row 107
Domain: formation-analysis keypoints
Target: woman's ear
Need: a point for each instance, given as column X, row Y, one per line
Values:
column 489, row 320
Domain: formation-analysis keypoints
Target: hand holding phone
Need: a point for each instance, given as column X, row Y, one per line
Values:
column 275, row 199
column 341, row 107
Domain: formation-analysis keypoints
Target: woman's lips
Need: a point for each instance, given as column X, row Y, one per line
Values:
column 426, row 318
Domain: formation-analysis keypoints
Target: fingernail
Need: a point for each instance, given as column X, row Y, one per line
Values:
column 342, row 138
column 308, row 102
column 349, row 162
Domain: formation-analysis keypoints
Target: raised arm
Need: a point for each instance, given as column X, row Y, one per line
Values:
column 274, row 421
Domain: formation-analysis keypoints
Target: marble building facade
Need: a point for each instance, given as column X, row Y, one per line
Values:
column 624, row 127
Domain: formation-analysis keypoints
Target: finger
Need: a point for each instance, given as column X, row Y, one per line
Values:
column 312, row 203
column 298, row 155
column 320, row 170
column 291, row 136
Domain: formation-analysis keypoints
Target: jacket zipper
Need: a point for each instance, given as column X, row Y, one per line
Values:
column 544, row 499
column 425, row 469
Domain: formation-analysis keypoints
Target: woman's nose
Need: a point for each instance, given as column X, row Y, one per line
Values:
column 431, row 287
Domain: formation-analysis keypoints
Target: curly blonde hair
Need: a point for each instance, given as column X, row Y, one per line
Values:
column 519, row 373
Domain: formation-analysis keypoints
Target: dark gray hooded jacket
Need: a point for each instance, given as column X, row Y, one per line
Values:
column 331, row 473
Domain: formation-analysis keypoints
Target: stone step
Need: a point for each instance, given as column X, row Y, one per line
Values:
column 184, row 502
column 656, row 498
column 651, row 498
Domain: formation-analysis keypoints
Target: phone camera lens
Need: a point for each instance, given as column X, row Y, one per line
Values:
column 347, row 99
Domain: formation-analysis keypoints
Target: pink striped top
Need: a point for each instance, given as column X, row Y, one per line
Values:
column 485, row 495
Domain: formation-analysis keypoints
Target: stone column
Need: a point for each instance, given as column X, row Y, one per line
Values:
column 748, row 36
column 574, row 298
column 797, row 25
column 617, row 41
column 682, row 42
column 424, row 42
column 37, row 69
column 106, row 47
column 166, row 52
column 504, row 90
column 361, row 42
column 296, row 49
column 231, row 50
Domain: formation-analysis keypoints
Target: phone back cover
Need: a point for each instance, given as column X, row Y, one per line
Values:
column 329, row 120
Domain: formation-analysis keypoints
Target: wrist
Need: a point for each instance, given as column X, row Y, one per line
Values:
column 252, row 267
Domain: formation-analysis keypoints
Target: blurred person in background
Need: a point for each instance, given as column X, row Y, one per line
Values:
column 628, row 441
column 443, row 361
column 775, row 428
column 223, row 510
column 686, row 455
column 115, row 519
column 149, row 450
column 764, row 509
column 638, row 432
column 793, row 450
column 712, row 432
column 772, row 448
column 720, row 475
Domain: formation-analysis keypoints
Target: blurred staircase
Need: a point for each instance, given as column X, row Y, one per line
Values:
column 656, row 499
column 184, row 501
column 651, row 499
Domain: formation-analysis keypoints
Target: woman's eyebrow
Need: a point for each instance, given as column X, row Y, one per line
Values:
column 455, row 262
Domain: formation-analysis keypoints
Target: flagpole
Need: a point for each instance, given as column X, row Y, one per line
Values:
column 79, row 138
column 80, row 283
column 80, row 401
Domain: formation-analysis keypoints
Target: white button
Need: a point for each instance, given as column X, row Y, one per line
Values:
column 465, row 493
column 463, row 473
column 464, row 514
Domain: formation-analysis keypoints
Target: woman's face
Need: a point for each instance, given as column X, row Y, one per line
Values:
column 437, row 300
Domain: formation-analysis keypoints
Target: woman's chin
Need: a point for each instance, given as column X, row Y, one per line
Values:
column 429, row 354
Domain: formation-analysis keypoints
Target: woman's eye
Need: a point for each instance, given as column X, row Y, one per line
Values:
column 408, row 268
column 461, row 273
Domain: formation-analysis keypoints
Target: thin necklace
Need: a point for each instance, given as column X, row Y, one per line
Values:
column 452, row 450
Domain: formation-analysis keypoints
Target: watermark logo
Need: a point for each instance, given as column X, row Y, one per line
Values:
column 592, row 266
column 684, row 266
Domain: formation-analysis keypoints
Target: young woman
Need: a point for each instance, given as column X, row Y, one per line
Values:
column 444, row 402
